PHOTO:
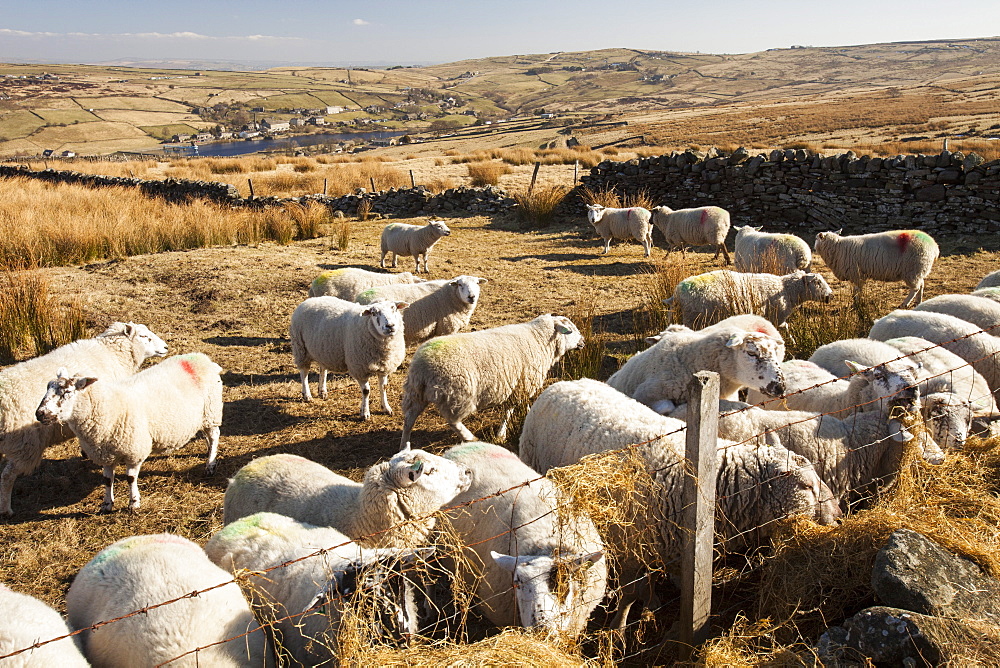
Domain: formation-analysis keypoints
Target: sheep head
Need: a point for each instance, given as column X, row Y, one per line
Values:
column 467, row 287
column 386, row 317
column 60, row 396
column 757, row 358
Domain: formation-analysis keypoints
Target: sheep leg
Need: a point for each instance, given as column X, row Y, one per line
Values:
column 916, row 292
column 464, row 432
column 321, row 390
column 381, row 261
column 304, row 376
column 10, row 473
column 411, row 411
column 366, row 390
column 109, row 489
column 725, row 253
column 395, row 258
column 132, row 476
column 212, row 436
column 607, row 246
column 383, row 382
column 502, row 432
column 647, row 243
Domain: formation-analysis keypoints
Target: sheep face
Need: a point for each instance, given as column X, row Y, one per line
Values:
column 825, row 240
column 757, row 360
column 796, row 489
column 543, row 601
column 817, row 289
column 386, row 317
column 568, row 335
column 594, row 213
column 433, row 480
column 152, row 345
column 896, row 382
column 468, row 288
column 949, row 418
column 440, row 227
column 60, row 396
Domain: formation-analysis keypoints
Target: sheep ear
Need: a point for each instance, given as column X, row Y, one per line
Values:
column 504, row 561
column 405, row 448
column 759, row 228
column 855, row 367
column 84, row 383
column 62, row 372
column 401, row 305
column 416, row 469
column 736, row 339
column 652, row 339
column 369, row 311
column 581, row 559
column 837, row 232
column 483, row 280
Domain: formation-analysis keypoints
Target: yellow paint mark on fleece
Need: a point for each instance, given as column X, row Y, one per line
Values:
column 694, row 282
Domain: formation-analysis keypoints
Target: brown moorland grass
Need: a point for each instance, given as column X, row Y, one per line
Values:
column 487, row 173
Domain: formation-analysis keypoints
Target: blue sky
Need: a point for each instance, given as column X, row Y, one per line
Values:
column 394, row 31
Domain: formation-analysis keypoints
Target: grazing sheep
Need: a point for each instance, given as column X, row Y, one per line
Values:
column 981, row 312
column 901, row 255
column 706, row 299
column 991, row 280
column 992, row 293
column 851, row 455
column 142, row 571
column 704, row 226
column 768, row 252
column 464, row 373
column 409, row 486
column 308, row 597
column 963, row 338
column 755, row 485
column 523, row 534
column 155, row 411
column 807, row 387
column 348, row 282
column 744, row 350
column 434, row 310
column 416, row 240
column 630, row 223
column 28, row 621
column 364, row 341
column 116, row 353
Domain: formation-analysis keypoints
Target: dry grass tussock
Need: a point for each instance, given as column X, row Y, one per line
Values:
column 537, row 208
column 33, row 320
column 610, row 197
column 487, row 173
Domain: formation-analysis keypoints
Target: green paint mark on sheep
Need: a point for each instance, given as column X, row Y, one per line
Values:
column 433, row 347
column 689, row 285
column 367, row 295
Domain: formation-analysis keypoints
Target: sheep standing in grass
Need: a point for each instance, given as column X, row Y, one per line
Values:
column 744, row 350
column 364, row 341
column 706, row 299
column 901, row 255
column 704, row 226
column 25, row 621
column 630, row 223
column 416, row 240
column 155, row 411
column 768, row 252
column 464, row 373
column 991, row 280
column 348, row 282
column 116, row 353
column 134, row 573
column 434, row 310
column 984, row 313
column 523, row 535
column 308, row 598
column 410, row 486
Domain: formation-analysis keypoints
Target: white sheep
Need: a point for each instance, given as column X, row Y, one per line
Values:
column 24, row 621
column 991, row 280
column 524, row 537
column 992, row 293
column 852, row 455
column 707, row 298
column 416, row 240
column 141, row 571
column 308, row 598
column 981, row 312
column 769, row 252
column 901, row 255
column 467, row 372
column 630, row 223
column 375, row 512
column 963, row 338
column 755, row 485
column 348, row 282
column 744, row 350
column 156, row 411
column 703, row 226
column 434, row 310
column 116, row 353
column 364, row 341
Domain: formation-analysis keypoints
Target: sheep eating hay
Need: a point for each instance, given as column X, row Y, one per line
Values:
column 630, row 223
column 416, row 240
column 348, row 282
column 703, row 226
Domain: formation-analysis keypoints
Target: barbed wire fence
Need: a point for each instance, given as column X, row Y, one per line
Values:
column 721, row 531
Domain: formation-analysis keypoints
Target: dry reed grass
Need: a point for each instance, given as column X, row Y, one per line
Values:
column 537, row 208
column 610, row 197
column 364, row 209
column 33, row 321
column 511, row 647
column 487, row 173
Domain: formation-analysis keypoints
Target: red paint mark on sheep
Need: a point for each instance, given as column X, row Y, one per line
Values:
column 903, row 240
column 704, row 216
column 189, row 369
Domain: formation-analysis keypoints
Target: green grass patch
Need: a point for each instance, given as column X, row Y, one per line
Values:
column 67, row 116
column 292, row 101
column 165, row 132
column 20, row 123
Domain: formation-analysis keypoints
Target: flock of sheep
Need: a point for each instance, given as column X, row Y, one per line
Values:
column 830, row 431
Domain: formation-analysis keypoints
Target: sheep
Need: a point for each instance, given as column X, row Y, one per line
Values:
column 984, row 313
column 115, row 353
column 707, row 298
column 630, row 223
column 348, row 282
column 704, row 226
column 416, row 240
column 29, row 621
column 364, row 341
column 755, row 485
column 308, row 597
column 744, row 350
column 768, row 252
column 434, row 310
column 523, row 537
column 851, row 455
column 141, row 571
column 464, row 373
column 900, row 255
column 386, row 509
column 992, row 293
column 991, row 280
column 157, row 410
column 963, row 338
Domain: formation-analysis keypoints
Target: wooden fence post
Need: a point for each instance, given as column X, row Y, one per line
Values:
column 251, row 188
column 324, row 186
column 534, row 175
column 576, row 169
column 698, row 519
column 371, row 179
column 413, row 182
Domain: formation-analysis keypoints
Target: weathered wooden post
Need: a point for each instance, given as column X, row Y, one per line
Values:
column 324, row 186
column 576, row 169
column 534, row 175
column 250, row 181
column 371, row 179
column 413, row 182
column 698, row 519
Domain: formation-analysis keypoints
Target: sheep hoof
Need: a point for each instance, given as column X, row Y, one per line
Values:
column 107, row 507
column 322, row 395
column 210, row 468
column 134, row 506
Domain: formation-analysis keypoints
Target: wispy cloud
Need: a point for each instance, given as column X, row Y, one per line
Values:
column 360, row 22
column 193, row 36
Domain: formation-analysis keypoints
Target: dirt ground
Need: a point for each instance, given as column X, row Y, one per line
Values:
column 234, row 303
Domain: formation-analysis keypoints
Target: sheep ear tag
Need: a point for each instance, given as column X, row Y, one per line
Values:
column 415, row 471
column 736, row 339
column 563, row 329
